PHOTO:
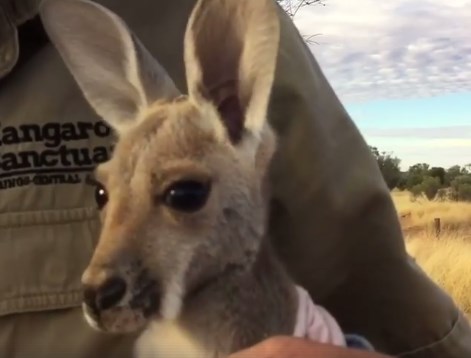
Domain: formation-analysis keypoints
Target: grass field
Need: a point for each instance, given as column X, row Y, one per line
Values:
column 446, row 259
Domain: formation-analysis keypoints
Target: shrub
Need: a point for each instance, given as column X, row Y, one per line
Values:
column 428, row 187
column 461, row 188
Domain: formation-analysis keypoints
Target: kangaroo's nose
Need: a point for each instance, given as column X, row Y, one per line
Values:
column 105, row 296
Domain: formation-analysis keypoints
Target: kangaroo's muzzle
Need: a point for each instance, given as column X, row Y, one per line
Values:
column 117, row 306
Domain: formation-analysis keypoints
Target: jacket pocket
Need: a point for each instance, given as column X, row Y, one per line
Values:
column 42, row 257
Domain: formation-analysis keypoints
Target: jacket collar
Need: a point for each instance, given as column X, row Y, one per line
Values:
column 13, row 13
column 20, row 38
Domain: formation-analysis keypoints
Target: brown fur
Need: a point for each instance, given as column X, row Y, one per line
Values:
column 206, row 282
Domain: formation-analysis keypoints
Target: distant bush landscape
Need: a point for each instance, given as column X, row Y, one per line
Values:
column 421, row 179
column 423, row 194
column 446, row 257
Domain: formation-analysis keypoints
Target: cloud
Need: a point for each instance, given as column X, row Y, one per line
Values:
column 445, row 152
column 438, row 146
column 455, row 133
column 372, row 49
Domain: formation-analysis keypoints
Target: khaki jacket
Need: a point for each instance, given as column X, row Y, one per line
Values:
column 332, row 214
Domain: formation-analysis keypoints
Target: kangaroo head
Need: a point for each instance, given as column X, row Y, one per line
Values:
column 181, row 199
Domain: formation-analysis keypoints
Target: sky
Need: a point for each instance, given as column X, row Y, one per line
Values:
column 402, row 69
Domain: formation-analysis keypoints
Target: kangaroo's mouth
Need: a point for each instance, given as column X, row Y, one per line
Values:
column 133, row 313
column 146, row 298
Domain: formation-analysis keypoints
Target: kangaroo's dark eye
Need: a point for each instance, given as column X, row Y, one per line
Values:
column 187, row 196
column 101, row 195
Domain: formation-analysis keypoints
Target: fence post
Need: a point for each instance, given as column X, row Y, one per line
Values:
column 438, row 227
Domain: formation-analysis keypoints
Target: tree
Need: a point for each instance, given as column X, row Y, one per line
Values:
column 374, row 151
column 421, row 179
column 416, row 175
column 402, row 183
column 452, row 173
column 389, row 167
column 430, row 187
column 292, row 8
column 416, row 190
column 461, row 187
column 438, row 172
column 419, row 168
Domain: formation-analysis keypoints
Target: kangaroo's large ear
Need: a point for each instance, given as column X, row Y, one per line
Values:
column 117, row 75
column 231, row 49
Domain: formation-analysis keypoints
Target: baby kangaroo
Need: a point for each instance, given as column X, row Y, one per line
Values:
column 183, row 253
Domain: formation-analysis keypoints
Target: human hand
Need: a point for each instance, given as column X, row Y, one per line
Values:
column 290, row 347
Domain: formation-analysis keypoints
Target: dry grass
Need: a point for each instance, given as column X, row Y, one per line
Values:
column 448, row 262
column 418, row 215
column 447, row 259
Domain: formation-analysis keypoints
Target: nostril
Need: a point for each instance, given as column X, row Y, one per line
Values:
column 110, row 293
column 106, row 296
column 89, row 297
